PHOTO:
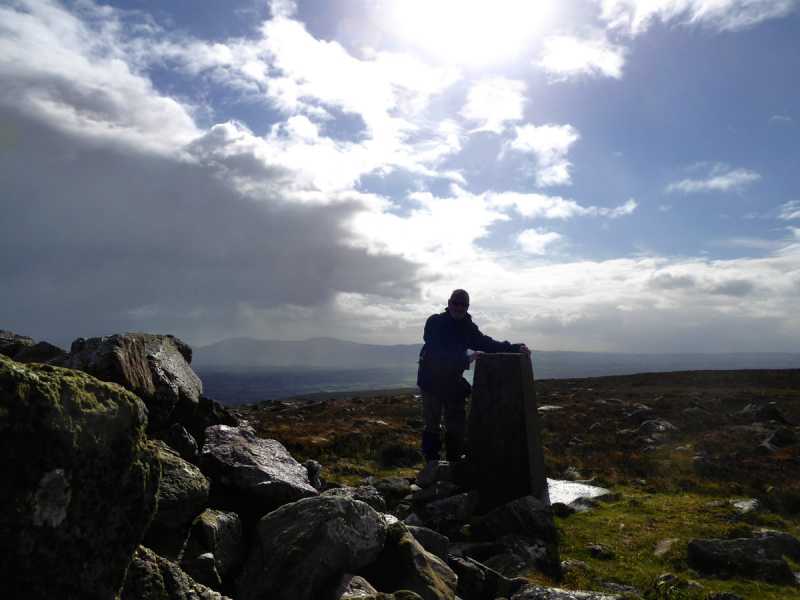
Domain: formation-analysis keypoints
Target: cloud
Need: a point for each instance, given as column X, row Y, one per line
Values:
column 549, row 144
column 555, row 207
column 721, row 178
column 536, row 241
column 565, row 56
column 636, row 16
column 283, row 8
column 494, row 102
column 781, row 120
column 790, row 211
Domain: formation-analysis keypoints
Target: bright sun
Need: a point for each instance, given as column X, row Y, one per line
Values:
column 469, row 32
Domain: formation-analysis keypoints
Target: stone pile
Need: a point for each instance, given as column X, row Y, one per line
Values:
column 122, row 480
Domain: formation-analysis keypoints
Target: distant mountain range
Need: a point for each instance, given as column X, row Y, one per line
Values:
column 247, row 354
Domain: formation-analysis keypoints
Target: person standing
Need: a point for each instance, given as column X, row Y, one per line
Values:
column 449, row 336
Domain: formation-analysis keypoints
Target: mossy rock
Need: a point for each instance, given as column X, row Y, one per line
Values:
column 79, row 482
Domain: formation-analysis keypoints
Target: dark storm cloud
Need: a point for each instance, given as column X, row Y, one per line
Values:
column 96, row 239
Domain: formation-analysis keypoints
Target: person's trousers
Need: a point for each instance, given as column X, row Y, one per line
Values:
column 455, row 418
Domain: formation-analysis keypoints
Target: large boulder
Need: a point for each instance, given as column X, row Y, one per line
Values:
column 182, row 495
column 476, row 581
column 756, row 558
column 152, row 577
column 154, row 367
column 405, row 565
column 301, row 549
column 250, row 475
column 11, row 343
column 79, row 482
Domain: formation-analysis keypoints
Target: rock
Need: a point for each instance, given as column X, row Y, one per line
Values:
column 526, row 516
column 250, row 475
column 433, row 541
column 180, row 440
column 217, row 533
column 154, row 367
column 476, row 581
column 724, row 596
column 601, row 552
column 79, row 482
column 203, row 569
column 656, row 426
column 314, row 471
column 365, row 493
column 435, row 470
column 764, row 412
column 781, row 438
column 436, row 491
column 505, row 456
column 205, row 414
column 300, row 546
column 152, row 577
column 353, row 587
column 11, row 343
column 562, row 510
column 41, row 352
column 664, row 546
column 405, row 565
column 182, row 495
column 535, row 592
column 391, row 488
column 516, row 555
column 756, row 558
column 745, row 506
column 455, row 508
column 572, row 474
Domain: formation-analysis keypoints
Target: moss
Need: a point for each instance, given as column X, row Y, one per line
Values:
column 55, row 418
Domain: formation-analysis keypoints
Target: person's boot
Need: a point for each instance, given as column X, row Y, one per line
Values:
column 431, row 445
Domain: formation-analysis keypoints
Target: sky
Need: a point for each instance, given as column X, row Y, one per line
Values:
column 600, row 175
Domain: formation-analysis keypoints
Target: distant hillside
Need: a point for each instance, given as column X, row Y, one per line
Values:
column 247, row 354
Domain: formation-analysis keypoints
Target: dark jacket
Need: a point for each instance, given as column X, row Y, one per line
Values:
column 443, row 357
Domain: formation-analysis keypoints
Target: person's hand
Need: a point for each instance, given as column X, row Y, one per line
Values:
column 472, row 356
column 524, row 350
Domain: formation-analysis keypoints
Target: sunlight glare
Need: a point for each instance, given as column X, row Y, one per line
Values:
column 469, row 32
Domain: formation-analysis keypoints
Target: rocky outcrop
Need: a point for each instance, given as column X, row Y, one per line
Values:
column 152, row 577
column 301, row 547
column 405, row 565
column 250, row 475
column 154, row 367
column 12, row 343
column 79, row 484
column 756, row 558
column 535, row 592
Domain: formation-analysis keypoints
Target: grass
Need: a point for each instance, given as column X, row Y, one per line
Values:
column 632, row 526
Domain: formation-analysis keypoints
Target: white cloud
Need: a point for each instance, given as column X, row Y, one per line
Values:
column 536, row 241
column 550, row 145
column 721, row 178
column 283, row 8
column 554, row 207
column 565, row 56
column 781, row 120
column 635, row 16
column 494, row 102
column 790, row 210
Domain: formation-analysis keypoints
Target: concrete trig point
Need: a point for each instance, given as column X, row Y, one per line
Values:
column 504, row 442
